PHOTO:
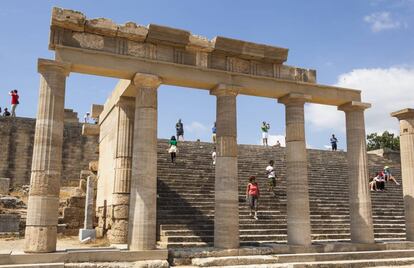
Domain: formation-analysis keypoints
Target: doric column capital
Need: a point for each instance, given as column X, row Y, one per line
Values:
column 44, row 65
column 294, row 98
column 407, row 113
column 146, row 80
column 354, row 106
column 224, row 90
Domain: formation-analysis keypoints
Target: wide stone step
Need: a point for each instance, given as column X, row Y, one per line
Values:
column 336, row 259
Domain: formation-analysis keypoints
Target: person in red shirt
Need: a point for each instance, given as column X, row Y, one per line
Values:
column 14, row 101
column 252, row 194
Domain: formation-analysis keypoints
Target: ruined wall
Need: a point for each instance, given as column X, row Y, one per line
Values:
column 16, row 148
column 106, row 170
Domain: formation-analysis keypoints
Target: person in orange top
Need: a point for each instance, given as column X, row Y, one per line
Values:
column 252, row 194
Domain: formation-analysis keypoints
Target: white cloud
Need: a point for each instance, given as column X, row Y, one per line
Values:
column 388, row 90
column 196, row 128
column 381, row 21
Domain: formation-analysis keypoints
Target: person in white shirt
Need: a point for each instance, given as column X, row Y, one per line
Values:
column 213, row 156
column 86, row 118
column 271, row 175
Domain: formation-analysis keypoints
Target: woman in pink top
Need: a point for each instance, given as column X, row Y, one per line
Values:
column 253, row 193
column 14, row 101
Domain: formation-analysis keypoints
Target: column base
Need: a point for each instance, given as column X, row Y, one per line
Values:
column 87, row 233
column 40, row 239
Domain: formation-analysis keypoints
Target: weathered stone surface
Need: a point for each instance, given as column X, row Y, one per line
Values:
column 11, row 202
column 4, row 186
column 90, row 130
column 87, row 40
column 9, row 223
column 96, row 110
column 93, row 166
column 69, row 19
column 167, row 35
column 132, row 31
column 101, row 26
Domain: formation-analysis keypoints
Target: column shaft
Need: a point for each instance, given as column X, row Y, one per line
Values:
column 123, row 171
column 359, row 195
column 406, row 118
column 226, row 215
column 43, row 202
column 298, row 215
column 143, row 198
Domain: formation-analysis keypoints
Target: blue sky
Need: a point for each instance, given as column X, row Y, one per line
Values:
column 362, row 44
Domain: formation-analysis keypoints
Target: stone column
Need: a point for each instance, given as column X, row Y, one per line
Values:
column 362, row 230
column 226, row 214
column 298, row 215
column 406, row 118
column 123, row 171
column 143, row 197
column 43, row 202
column 88, row 230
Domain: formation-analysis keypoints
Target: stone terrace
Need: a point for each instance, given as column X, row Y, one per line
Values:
column 186, row 197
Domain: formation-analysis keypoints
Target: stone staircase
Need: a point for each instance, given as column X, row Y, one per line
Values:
column 185, row 209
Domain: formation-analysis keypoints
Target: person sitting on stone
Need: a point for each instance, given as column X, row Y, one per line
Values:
column 378, row 182
column 173, row 148
column 389, row 176
column 6, row 112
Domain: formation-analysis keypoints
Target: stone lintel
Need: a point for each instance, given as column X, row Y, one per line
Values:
column 299, row 98
column 43, row 65
column 354, row 106
column 225, row 90
column 132, row 31
column 69, row 19
column 167, row 35
column 199, row 43
column 90, row 130
column 403, row 114
column 101, row 26
column 146, row 80
column 96, row 110
column 249, row 50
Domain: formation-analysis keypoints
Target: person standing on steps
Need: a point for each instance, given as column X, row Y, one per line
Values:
column 179, row 127
column 214, row 155
column 173, row 148
column 252, row 195
column 86, row 118
column 14, row 101
column 271, row 176
column 334, row 142
column 214, row 130
column 265, row 135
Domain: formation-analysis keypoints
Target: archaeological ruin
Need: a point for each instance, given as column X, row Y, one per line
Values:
column 146, row 210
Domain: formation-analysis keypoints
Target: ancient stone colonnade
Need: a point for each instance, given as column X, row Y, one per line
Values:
column 144, row 58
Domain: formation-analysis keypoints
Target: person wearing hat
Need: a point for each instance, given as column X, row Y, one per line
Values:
column 389, row 176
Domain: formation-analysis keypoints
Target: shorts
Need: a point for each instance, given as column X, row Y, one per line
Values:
column 172, row 149
column 272, row 182
column 253, row 201
column 265, row 135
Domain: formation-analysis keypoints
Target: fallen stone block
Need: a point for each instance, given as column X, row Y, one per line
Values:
column 11, row 202
column 87, row 233
column 9, row 223
column 4, row 185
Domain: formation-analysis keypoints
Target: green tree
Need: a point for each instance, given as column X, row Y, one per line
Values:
column 385, row 140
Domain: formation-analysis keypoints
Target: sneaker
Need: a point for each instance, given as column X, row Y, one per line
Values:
column 250, row 214
column 256, row 218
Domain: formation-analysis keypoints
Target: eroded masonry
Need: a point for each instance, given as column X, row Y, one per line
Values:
column 143, row 58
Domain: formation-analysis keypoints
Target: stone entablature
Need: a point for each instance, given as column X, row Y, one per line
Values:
column 72, row 29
